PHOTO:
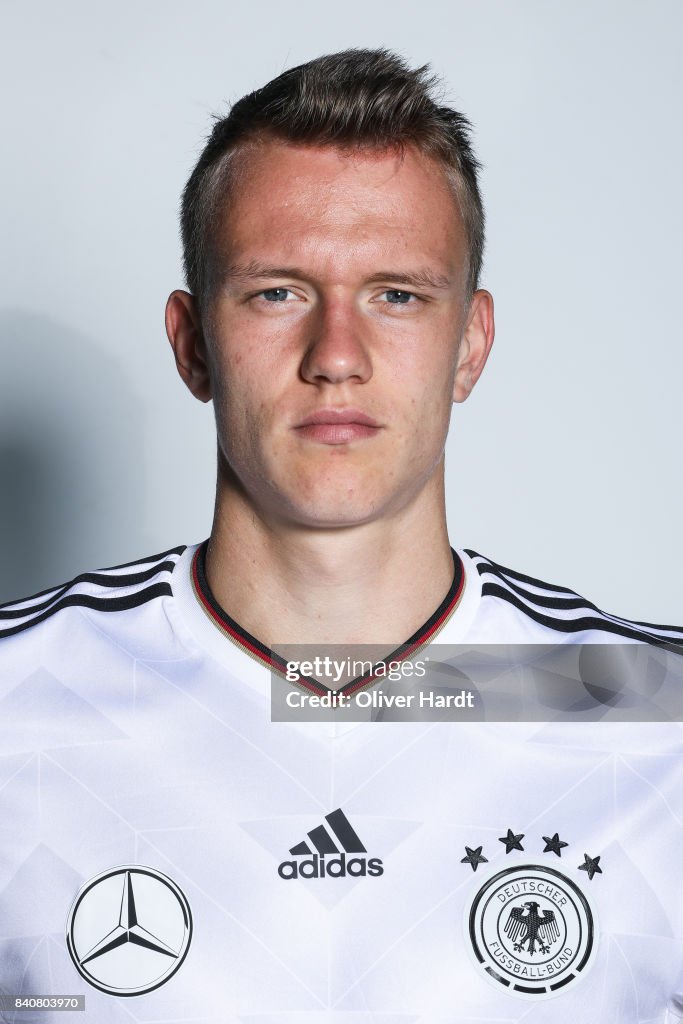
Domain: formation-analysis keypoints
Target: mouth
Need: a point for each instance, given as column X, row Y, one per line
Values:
column 337, row 426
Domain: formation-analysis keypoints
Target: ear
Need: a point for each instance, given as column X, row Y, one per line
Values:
column 475, row 344
column 184, row 330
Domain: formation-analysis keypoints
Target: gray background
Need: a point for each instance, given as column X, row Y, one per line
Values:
column 565, row 462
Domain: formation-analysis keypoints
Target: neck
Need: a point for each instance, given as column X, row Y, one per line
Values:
column 373, row 583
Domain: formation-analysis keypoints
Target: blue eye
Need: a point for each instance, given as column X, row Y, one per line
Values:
column 398, row 297
column 275, row 294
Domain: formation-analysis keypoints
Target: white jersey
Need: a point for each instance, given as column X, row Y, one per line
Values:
column 171, row 854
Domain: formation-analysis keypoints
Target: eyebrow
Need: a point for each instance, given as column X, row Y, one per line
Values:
column 418, row 278
column 244, row 271
column 423, row 278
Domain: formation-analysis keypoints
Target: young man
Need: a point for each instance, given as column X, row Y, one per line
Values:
column 167, row 841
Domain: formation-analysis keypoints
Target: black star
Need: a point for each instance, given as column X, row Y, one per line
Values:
column 512, row 842
column 590, row 865
column 474, row 857
column 554, row 845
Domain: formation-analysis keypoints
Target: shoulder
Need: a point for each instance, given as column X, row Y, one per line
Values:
column 118, row 588
column 552, row 609
column 76, row 661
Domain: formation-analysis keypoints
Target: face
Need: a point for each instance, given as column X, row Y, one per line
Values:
column 337, row 333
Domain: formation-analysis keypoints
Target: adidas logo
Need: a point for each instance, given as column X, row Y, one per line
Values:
column 329, row 859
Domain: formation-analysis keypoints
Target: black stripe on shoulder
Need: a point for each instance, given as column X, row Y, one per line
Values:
column 604, row 625
column 549, row 600
column 489, row 566
column 653, row 625
column 571, row 601
column 127, row 580
column 99, row 576
column 52, row 591
column 144, row 561
column 100, row 604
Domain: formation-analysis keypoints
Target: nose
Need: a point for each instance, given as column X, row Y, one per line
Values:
column 336, row 350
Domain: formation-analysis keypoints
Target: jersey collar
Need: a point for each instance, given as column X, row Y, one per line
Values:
column 224, row 626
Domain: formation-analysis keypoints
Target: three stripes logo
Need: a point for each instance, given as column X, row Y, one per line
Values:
column 336, row 852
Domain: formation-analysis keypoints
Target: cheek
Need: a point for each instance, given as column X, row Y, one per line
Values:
column 424, row 379
column 428, row 401
column 230, row 397
column 245, row 400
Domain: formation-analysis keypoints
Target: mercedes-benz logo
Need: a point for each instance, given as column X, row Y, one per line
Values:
column 129, row 930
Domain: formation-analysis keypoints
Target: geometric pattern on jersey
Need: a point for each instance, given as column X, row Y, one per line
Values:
column 143, row 737
column 562, row 609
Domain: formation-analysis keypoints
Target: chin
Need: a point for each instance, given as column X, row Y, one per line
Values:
column 326, row 512
column 331, row 518
column 330, row 495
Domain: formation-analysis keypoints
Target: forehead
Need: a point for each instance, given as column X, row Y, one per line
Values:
column 332, row 203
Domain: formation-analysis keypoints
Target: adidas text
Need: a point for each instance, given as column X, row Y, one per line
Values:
column 331, row 867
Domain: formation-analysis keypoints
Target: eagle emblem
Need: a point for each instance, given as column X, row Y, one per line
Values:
column 525, row 925
column 532, row 930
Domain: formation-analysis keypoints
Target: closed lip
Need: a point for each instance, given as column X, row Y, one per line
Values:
column 337, row 416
